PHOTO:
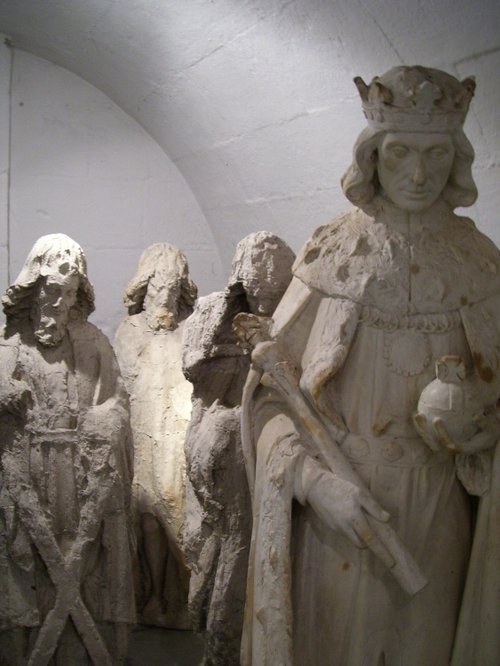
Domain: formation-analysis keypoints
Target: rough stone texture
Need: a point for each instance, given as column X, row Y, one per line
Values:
column 148, row 345
column 362, row 515
column 66, row 593
column 218, row 515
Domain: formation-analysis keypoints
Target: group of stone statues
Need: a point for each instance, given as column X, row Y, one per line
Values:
column 304, row 466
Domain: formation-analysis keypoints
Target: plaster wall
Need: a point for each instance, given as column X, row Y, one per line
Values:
column 81, row 166
column 4, row 160
column 254, row 101
column 270, row 153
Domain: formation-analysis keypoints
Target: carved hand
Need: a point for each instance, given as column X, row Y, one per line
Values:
column 436, row 435
column 343, row 507
column 250, row 329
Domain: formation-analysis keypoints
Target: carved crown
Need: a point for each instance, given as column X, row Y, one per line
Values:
column 416, row 99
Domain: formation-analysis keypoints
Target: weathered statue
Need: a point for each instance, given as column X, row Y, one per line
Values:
column 66, row 594
column 148, row 346
column 218, row 514
column 364, row 496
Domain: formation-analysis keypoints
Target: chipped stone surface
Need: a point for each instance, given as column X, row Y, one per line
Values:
column 148, row 344
column 218, row 515
column 66, row 467
column 370, row 564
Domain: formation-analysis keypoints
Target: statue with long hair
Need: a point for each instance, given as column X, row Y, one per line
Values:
column 66, row 594
column 375, row 484
column 159, row 298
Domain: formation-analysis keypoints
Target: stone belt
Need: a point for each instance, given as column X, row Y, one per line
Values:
column 394, row 451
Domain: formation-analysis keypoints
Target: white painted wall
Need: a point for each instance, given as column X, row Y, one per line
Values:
column 254, row 102
column 81, row 166
column 4, row 161
column 273, row 111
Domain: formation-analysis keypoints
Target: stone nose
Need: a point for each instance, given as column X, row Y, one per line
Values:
column 419, row 172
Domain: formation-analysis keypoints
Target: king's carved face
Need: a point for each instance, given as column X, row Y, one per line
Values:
column 413, row 167
column 55, row 296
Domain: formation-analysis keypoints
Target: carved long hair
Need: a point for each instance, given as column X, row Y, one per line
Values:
column 360, row 182
column 169, row 264
column 54, row 253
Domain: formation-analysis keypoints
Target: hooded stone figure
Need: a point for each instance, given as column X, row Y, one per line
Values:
column 66, row 595
column 218, row 517
column 364, row 516
column 148, row 345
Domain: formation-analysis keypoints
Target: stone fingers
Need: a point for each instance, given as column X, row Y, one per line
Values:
column 444, row 437
column 367, row 537
column 422, row 427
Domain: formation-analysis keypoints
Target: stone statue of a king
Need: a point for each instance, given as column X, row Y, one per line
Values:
column 376, row 484
column 66, row 594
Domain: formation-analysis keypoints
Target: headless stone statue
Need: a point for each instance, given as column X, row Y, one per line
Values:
column 66, row 594
column 364, row 503
column 148, row 346
column 218, row 515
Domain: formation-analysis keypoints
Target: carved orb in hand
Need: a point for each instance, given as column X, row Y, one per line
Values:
column 451, row 402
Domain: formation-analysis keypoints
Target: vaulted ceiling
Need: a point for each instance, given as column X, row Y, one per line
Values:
column 253, row 99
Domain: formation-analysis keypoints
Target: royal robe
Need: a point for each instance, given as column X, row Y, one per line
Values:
column 375, row 301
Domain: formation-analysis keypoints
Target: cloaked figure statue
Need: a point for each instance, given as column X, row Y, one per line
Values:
column 218, row 515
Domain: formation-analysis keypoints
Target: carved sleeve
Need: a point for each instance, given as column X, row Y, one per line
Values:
column 290, row 325
column 482, row 328
column 107, row 418
column 12, row 390
column 327, row 348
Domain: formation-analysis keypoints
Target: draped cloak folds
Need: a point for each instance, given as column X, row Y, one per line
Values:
column 160, row 408
column 78, row 483
column 374, row 302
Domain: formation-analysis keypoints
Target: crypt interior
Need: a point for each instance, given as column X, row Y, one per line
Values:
column 131, row 122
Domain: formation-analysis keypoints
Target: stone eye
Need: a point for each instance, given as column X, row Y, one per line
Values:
column 438, row 153
column 399, row 151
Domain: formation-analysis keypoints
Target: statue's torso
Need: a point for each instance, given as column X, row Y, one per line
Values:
column 51, row 430
column 407, row 280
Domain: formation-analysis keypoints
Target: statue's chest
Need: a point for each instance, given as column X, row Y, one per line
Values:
column 420, row 272
column 51, row 377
